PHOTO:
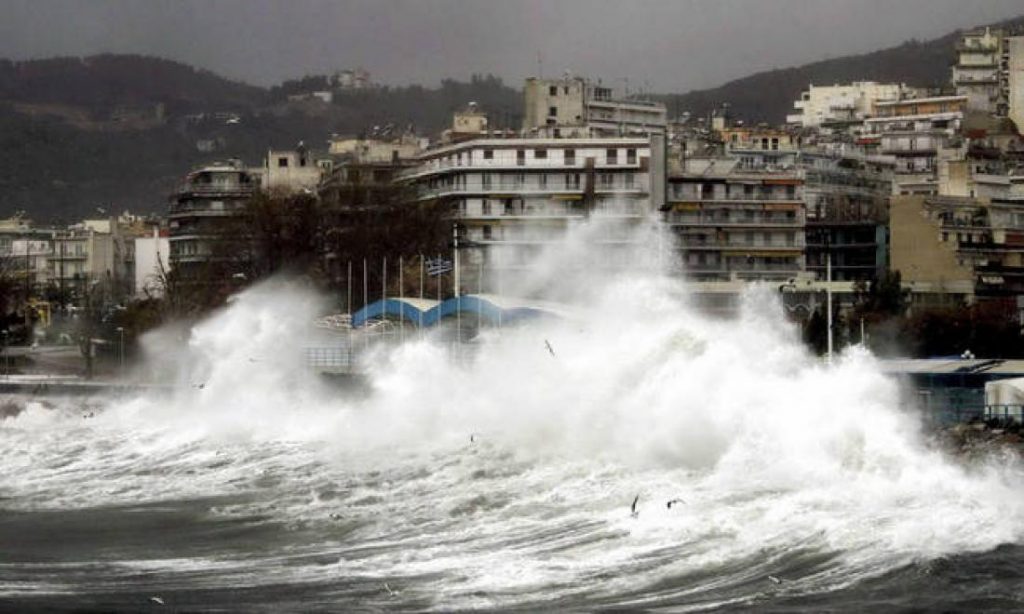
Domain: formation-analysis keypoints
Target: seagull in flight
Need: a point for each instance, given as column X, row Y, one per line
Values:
column 632, row 508
column 550, row 349
column 673, row 502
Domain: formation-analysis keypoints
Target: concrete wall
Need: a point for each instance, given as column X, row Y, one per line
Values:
column 1016, row 81
column 565, row 96
column 916, row 250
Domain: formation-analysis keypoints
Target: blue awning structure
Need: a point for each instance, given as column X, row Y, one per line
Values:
column 423, row 312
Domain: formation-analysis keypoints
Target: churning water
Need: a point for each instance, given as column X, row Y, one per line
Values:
column 505, row 481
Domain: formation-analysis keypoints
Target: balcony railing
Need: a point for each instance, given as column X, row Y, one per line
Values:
column 525, row 165
column 678, row 219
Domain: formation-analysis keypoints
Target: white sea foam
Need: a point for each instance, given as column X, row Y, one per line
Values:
column 772, row 449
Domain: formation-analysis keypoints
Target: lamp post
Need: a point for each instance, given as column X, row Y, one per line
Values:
column 790, row 287
column 7, row 368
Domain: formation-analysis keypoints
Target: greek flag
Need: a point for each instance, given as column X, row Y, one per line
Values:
column 438, row 266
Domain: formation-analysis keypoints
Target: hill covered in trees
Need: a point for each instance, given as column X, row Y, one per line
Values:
column 118, row 131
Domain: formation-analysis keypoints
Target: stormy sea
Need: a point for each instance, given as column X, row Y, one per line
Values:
column 632, row 454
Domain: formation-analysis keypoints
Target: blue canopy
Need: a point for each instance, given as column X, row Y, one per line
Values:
column 428, row 313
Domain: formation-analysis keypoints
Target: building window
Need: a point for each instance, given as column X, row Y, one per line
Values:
column 612, row 156
column 570, row 156
column 630, row 156
column 486, row 207
column 282, row 162
column 520, row 157
column 542, row 181
column 488, row 154
column 552, row 111
column 487, row 233
column 628, row 178
column 485, row 181
column 552, row 90
column 540, row 154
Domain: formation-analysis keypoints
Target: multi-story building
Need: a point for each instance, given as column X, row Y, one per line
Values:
column 839, row 106
column 911, row 132
column 1013, row 59
column 847, row 202
column 372, row 150
column 575, row 107
column 293, row 170
column 978, row 72
column 737, row 224
column 959, row 247
column 514, row 196
column 203, row 216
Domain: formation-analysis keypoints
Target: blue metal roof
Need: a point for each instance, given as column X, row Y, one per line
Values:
column 493, row 309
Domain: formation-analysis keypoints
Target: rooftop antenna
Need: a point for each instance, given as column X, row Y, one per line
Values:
column 540, row 65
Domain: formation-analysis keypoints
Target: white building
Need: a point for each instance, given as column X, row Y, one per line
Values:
column 978, row 73
column 911, row 132
column 368, row 150
column 152, row 263
column 293, row 170
column 573, row 106
column 1015, row 80
column 836, row 104
column 514, row 196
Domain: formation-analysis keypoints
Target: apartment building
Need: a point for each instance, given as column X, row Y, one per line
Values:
column 1014, row 78
column 979, row 73
column 837, row 107
column 959, row 247
column 847, row 203
column 573, row 106
column 293, row 170
column 911, row 132
column 737, row 224
column 203, row 215
column 514, row 196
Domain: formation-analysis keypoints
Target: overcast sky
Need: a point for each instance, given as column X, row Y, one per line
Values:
column 667, row 45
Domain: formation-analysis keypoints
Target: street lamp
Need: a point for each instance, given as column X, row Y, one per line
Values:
column 791, row 287
column 7, row 368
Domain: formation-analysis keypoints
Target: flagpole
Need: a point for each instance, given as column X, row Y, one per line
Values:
column 401, row 298
column 423, row 265
column 349, row 298
column 366, row 300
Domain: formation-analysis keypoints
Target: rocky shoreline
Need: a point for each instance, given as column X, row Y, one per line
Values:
column 981, row 439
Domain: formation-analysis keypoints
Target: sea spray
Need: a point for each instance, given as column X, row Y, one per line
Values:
column 505, row 479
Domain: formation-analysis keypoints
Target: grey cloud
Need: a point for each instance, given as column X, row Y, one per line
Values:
column 667, row 45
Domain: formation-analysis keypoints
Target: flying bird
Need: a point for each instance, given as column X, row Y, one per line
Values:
column 674, row 501
column 548, row 346
column 156, row 600
column 774, row 580
column 632, row 508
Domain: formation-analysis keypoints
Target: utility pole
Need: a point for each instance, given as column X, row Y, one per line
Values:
column 828, row 295
column 455, row 258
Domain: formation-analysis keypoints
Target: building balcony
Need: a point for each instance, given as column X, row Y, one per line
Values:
column 742, row 247
column 203, row 210
column 711, row 221
column 214, row 190
column 578, row 164
column 679, row 198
